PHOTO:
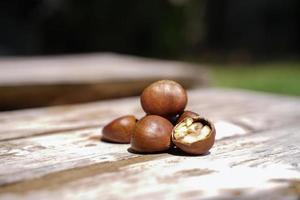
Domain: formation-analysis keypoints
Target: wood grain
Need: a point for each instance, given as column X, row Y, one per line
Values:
column 56, row 80
column 236, row 167
column 239, row 106
column 56, row 152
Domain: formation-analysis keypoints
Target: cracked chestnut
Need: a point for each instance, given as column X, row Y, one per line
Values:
column 164, row 98
column 194, row 135
column 120, row 129
column 186, row 114
column 151, row 134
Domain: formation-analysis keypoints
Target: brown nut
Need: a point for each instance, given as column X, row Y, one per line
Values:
column 119, row 130
column 186, row 114
column 194, row 135
column 151, row 134
column 172, row 119
column 164, row 98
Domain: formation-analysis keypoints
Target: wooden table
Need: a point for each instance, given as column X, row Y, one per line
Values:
column 56, row 152
column 56, row 80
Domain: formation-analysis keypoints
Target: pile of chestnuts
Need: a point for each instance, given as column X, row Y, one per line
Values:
column 166, row 123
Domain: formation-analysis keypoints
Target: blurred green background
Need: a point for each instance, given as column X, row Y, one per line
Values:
column 277, row 77
column 250, row 44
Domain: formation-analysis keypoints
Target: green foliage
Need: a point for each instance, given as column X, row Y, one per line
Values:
column 282, row 77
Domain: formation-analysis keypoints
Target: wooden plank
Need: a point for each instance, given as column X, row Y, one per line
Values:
column 256, row 166
column 54, row 80
column 61, row 118
column 239, row 106
column 84, row 148
column 65, row 151
column 73, row 122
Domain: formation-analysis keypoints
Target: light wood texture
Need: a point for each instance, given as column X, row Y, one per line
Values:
column 56, row 153
column 40, row 81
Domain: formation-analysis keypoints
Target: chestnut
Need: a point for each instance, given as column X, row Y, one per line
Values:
column 164, row 98
column 119, row 130
column 186, row 114
column 194, row 135
column 152, row 133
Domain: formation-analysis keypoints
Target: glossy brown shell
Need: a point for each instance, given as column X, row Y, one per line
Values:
column 199, row 147
column 151, row 134
column 164, row 98
column 119, row 130
column 185, row 114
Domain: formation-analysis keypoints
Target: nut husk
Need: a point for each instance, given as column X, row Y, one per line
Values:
column 119, row 130
column 164, row 98
column 152, row 133
column 194, row 135
column 186, row 114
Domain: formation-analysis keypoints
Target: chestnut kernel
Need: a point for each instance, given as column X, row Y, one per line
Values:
column 194, row 135
column 164, row 98
column 151, row 134
column 186, row 114
column 119, row 130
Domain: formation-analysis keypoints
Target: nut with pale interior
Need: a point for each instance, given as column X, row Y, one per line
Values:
column 119, row 130
column 194, row 135
column 186, row 114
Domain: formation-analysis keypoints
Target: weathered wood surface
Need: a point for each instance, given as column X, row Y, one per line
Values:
column 56, row 152
column 40, row 81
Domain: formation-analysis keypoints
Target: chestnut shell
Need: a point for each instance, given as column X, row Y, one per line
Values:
column 120, row 129
column 151, row 134
column 201, row 146
column 164, row 98
column 185, row 114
